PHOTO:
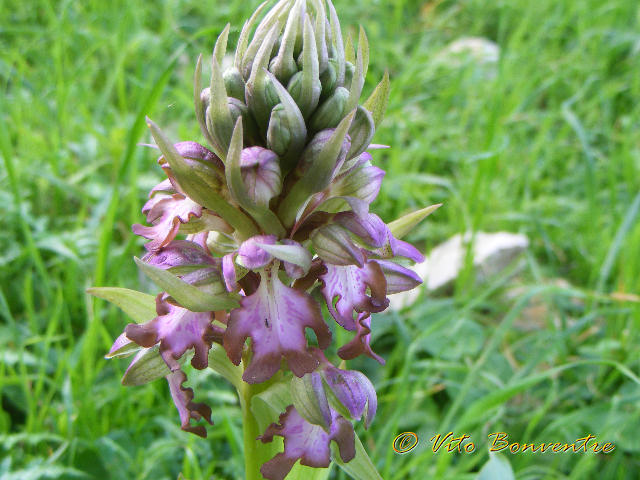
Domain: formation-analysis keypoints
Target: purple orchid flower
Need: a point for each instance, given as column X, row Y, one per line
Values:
column 247, row 239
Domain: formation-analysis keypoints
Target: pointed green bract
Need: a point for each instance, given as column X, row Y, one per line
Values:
column 378, row 100
column 141, row 307
column 360, row 467
column 200, row 112
column 186, row 295
column 147, row 367
column 403, row 225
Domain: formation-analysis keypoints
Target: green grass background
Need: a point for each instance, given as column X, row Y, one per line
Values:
column 548, row 145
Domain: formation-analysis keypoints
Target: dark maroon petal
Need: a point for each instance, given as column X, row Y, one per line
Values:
column 251, row 256
column 275, row 317
column 177, row 330
column 180, row 253
column 399, row 278
column 166, row 215
column 309, row 280
column 306, row 442
column 359, row 345
column 187, row 409
column 345, row 291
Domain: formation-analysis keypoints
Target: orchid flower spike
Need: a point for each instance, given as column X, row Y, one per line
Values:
column 243, row 230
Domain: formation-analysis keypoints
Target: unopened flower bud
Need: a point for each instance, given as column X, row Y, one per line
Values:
column 328, row 80
column 234, row 83
column 251, row 255
column 261, row 174
column 361, row 132
column 333, row 245
column 329, row 114
column 349, row 70
column 296, row 87
column 249, row 128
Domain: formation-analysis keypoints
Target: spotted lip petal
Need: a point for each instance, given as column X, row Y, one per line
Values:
column 349, row 284
column 306, row 442
column 360, row 344
column 166, row 213
column 187, row 409
column 177, row 330
column 275, row 317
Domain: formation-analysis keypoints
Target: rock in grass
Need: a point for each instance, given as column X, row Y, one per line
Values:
column 492, row 253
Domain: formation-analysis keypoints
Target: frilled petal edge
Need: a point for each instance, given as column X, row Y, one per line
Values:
column 275, row 317
column 306, row 442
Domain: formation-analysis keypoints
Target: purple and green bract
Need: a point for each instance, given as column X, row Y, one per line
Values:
column 274, row 221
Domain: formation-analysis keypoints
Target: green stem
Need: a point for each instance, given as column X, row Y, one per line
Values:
column 251, row 432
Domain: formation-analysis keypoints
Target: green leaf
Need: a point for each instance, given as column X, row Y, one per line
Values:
column 149, row 366
column 361, row 467
column 139, row 306
column 403, row 225
column 497, row 468
column 186, row 295
column 378, row 100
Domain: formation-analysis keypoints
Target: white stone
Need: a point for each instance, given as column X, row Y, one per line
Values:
column 492, row 253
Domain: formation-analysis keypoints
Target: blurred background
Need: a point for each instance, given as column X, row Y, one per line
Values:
column 520, row 117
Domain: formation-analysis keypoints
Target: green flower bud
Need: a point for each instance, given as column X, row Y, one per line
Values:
column 328, row 80
column 260, row 94
column 329, row 114
column 234, row 83
column 249, row 127
column 278, row 134
column 361, row 132
column 295, row 88
column 349, row 70
column 283, row 66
